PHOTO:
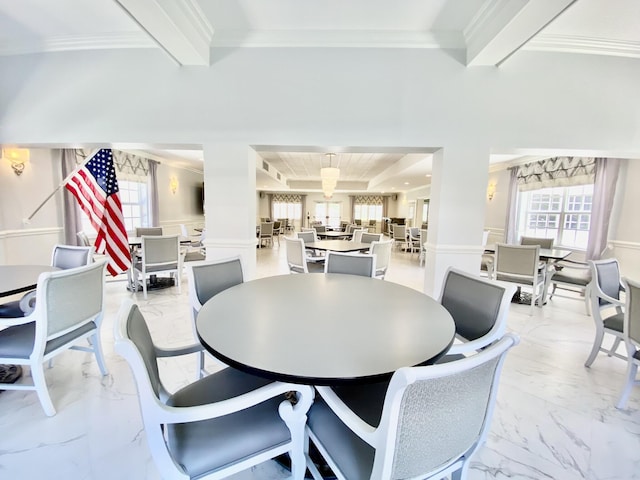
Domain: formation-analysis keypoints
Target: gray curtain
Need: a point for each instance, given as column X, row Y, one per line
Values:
column 512, row 208
column 352, row 200
column 154, row 208
column 604, row 189
column 72, row 221
column 303, row 210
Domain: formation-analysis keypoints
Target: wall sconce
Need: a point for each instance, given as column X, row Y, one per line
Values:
column 18, row 158
column 491, row 191
column 173, row 184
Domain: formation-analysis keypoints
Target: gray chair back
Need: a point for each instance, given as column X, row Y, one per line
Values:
column 296, row 255
column 606, row 274
column 68, row 256
column 320, row 228
column 400, row 232
column 212, row 277
column 348, row 263
column 138, row 332
column 370, row 237
column 160, row 250
column 84, row 239
column 473, row 302
column 149, row 231
column 632, row 311
column 516, row 260
column 307, row 237
column 72, row 299
column 382, row 251
column 543, row 242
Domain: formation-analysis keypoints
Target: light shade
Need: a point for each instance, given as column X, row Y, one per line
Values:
column 18, row 158
column 329, row 176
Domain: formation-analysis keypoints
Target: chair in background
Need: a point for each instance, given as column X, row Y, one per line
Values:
column 357, row 235
column 604, row 294
column 69, row 308
column 350, row 264
column 427, row 423
column 207, row 279
column 486, row 263
column 148, row 231
column 265, row 233
column 382, row 251
column 370, row 237
column 479, row 308
column 400, row 236
column 343, row 225
column 277, row 230
column 543, row 242
column 571, row 276
column 358, row 222
column 423, row 246
column 413, row 243
column 311, row 254
column 217, row 426
column 320, row 228
column 520, row 264
column 62, row 257
column 373, row 225
column 297, row 257
column 631, row 336
column 160, row 254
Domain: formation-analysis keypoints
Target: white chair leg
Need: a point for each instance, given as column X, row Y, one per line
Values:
column 97, row 351
column 614, row 347
column 597, row 344
column 632, row 370
column 37, row 373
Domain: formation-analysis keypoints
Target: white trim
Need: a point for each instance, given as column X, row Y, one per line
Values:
column 621, row 244
column 448, row 249
column 583, row 44
column 32, row 232
column 62, row 43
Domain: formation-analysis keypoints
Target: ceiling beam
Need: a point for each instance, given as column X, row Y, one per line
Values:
column 179, row 27
column 502, row 27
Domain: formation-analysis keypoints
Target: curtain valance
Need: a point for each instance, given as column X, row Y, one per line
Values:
column 557, row 171
column 287, row 198
column 367, row 200
column 128, row 165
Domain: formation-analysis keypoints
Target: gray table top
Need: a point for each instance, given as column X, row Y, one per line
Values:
column 324, row 329
column 333, row 234
column 545, row 253
column 20, row 278
column 338, row 245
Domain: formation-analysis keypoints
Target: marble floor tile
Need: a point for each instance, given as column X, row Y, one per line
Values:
column 554, row 418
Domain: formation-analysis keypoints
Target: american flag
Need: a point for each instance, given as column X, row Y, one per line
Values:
column 95, row 186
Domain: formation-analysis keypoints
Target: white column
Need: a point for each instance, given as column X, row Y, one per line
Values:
column 456, row 213
column 230, row 203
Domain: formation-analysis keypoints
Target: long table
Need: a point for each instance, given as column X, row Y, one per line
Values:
column 342, row 246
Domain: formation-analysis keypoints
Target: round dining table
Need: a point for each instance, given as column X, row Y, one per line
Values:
column 324, row 329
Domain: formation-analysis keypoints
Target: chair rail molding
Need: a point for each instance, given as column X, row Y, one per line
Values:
column 30, row 232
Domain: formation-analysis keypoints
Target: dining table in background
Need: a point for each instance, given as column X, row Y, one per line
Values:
column 335, row 235
column 336, row 329
column 342, row 246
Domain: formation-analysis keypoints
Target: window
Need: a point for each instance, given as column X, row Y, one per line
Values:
column 135, row 207
column 368, row 212
column 328, row 213
column 289, row 210
column 563, row 213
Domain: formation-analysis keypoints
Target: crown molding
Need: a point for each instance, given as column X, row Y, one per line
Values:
column 63, row 43
column 337, row 38
column 582, row 44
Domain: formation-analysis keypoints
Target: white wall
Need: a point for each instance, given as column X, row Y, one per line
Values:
column 535, row 101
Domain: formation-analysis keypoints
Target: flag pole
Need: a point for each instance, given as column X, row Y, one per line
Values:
column 62, row 184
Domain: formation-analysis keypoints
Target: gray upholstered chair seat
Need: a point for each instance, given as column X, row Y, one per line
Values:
column 514, row 279
column 17, row 341
column 157, row 268
column 614, row 322
column 209, row 444
column 350, row 452
column 194, row 257
column 575, row 277
column 11, row 310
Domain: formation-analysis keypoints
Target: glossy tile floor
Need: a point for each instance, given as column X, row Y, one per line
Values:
column 555, row 419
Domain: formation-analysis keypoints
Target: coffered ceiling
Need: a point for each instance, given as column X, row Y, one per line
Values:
column 490, row 32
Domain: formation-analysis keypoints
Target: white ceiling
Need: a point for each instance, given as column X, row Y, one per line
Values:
column 490, row 31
